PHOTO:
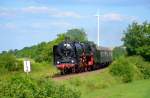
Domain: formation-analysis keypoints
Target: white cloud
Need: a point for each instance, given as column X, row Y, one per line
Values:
column 43, row 10
column 112, row 17
column 8, row 26
column 50, row 11
column 4, row 12
column 35, row 9
column 62, row 24
column 50, row 24
column 67, row 14
column 117, row 17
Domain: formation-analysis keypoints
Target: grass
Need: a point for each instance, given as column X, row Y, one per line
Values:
column 38, row 70
column 43, row 70
column 136, row 89
column 93, row 82
column 103, row 85
column 95, row 85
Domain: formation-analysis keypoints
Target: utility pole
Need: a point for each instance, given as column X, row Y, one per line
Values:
column 98, row 30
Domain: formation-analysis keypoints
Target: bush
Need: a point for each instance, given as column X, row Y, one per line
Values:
column 145, row 70
column 26, row 87
column 123, row 69
column 129, row 68
column 8, row 62
column 19, row 64
column 143, row 66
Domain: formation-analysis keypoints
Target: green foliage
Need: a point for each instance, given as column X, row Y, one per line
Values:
column 19, row 64
column 43, row 52
column 130, row 68
column 26, row 87
column 8, row 62
column 143, row 66
column 118, row 52
column 76, row 82
column 123, row 69
column 76, row 35
column 137, row 39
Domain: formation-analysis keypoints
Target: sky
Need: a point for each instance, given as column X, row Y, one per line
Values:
column 28, row 22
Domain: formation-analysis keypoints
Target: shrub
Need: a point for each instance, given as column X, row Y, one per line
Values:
column 26, row 87
column 143, row 66
column 8, row 61
column 145, row 70
column 123, row 69
column 129, row 68
column 19, row 65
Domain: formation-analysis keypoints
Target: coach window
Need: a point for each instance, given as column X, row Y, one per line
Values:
column 105, row 53
column 101, row 53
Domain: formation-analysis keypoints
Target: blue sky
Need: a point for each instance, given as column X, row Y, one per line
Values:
column 29, row 22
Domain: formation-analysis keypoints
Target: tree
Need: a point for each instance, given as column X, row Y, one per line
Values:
column 76, row 35
column 137, row 39
column 118, row 52
column 46, row 51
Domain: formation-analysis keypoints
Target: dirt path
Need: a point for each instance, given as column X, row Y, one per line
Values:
column 69, row 76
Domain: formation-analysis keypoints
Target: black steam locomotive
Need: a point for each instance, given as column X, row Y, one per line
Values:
column 70, row 56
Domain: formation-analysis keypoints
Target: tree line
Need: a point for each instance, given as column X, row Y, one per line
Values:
column 136, row 42
column 42, row 52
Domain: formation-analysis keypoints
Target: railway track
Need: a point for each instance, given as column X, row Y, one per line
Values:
column 58, row 77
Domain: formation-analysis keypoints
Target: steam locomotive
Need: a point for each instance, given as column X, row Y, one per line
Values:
column 74, row 57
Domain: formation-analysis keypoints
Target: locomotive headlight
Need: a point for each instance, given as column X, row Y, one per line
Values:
column 58, row 62
column 72, row 61
column 67, row 45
